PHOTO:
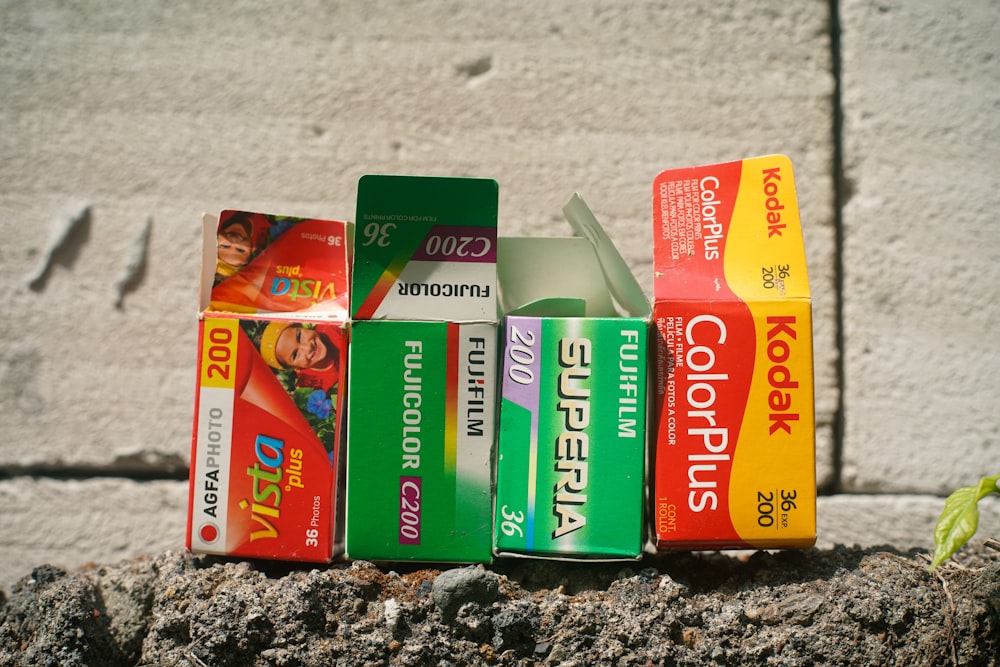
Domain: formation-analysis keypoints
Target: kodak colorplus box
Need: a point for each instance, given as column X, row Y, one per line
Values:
column 734, row 453
column 571, row 450
column 423, row 356
column 421, row 433
column 271, row 356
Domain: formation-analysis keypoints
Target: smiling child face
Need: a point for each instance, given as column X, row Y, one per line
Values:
column 301, row 348
column 234, row 245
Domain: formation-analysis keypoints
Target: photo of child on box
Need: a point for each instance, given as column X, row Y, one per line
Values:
column 306, row 358
column 240, row 236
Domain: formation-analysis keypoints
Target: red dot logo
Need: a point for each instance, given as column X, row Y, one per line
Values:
column 209, row 533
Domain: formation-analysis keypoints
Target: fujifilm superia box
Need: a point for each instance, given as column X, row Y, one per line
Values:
column 571, row 451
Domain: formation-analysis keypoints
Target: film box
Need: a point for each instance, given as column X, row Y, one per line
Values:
column 421, row 426
column 271, row 355
column 735, row 452
column 571, row 445
column 422, row 409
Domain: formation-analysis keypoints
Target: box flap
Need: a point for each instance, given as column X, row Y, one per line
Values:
column 621, row 282
column 269, row 264
column 575, row 276
column 560, row 273
column 729, row 230
column 425, row 249
column 209, row 226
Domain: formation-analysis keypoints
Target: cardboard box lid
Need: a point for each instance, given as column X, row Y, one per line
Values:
column 577, row 276
column 290, row 266
column 425, row 249
column 728, row 229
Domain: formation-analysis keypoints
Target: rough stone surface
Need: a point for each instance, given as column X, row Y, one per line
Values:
column 456, row 587
column 832, row 607
column 140, row 518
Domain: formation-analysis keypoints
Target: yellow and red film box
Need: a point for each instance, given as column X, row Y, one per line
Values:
column 734, row 456
column 272, row 352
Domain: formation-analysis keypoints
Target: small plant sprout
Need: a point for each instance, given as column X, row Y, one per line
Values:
column 960, row 518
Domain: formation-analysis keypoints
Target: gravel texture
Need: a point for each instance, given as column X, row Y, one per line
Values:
column 839, row 606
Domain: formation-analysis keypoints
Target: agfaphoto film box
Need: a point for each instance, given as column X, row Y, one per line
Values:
column 734, row 451
column 272, row 346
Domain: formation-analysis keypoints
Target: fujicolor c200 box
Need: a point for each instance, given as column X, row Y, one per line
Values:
column 734, row 453
column 272, row 352
column 572, row 438
column 421, row 427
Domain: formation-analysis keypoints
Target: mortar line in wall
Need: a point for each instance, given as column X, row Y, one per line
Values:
column 839, row 194
column 84, row 473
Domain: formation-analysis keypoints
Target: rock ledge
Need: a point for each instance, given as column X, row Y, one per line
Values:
column 837, row 607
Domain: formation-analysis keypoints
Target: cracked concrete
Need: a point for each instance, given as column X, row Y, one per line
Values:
column 68, row 235
column 134, row 270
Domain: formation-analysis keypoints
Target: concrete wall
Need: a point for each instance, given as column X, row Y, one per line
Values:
column 122, row 121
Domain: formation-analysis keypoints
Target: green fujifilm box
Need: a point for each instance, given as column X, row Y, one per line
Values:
column 572, row 434
column 422, row 399
column 420, row 434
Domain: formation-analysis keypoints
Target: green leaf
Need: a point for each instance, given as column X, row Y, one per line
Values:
column 960, row 518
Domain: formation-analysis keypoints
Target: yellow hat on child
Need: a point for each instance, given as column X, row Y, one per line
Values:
column 269, row 342
column 225, row 268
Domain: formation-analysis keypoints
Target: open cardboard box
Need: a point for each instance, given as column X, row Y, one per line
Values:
column 272, row 346
column 571, row 444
